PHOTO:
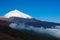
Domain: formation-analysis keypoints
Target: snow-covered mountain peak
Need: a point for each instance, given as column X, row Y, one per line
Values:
column 16, row 13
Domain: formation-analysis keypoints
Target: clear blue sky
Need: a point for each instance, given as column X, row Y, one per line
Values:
column 46, row 10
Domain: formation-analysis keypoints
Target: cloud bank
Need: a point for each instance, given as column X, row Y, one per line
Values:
column 51, row 31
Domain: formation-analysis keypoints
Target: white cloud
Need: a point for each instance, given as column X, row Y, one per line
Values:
column 58, row 27
column 51, row 31
column 13, row 25
column 54, row 32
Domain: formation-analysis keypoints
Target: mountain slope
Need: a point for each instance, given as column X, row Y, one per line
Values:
column 13, row 34
column 18, row 24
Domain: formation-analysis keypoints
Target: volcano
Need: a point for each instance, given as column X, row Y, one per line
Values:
column 23, row 26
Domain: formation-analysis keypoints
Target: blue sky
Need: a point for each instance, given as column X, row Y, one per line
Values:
column 46, row 10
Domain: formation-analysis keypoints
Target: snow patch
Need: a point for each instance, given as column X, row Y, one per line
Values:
column 16, row 13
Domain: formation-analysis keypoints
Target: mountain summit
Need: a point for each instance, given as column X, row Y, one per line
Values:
column 24, row 25
column 16, row 13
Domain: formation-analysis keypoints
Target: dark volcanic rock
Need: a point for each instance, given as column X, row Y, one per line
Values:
column 4, row 36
